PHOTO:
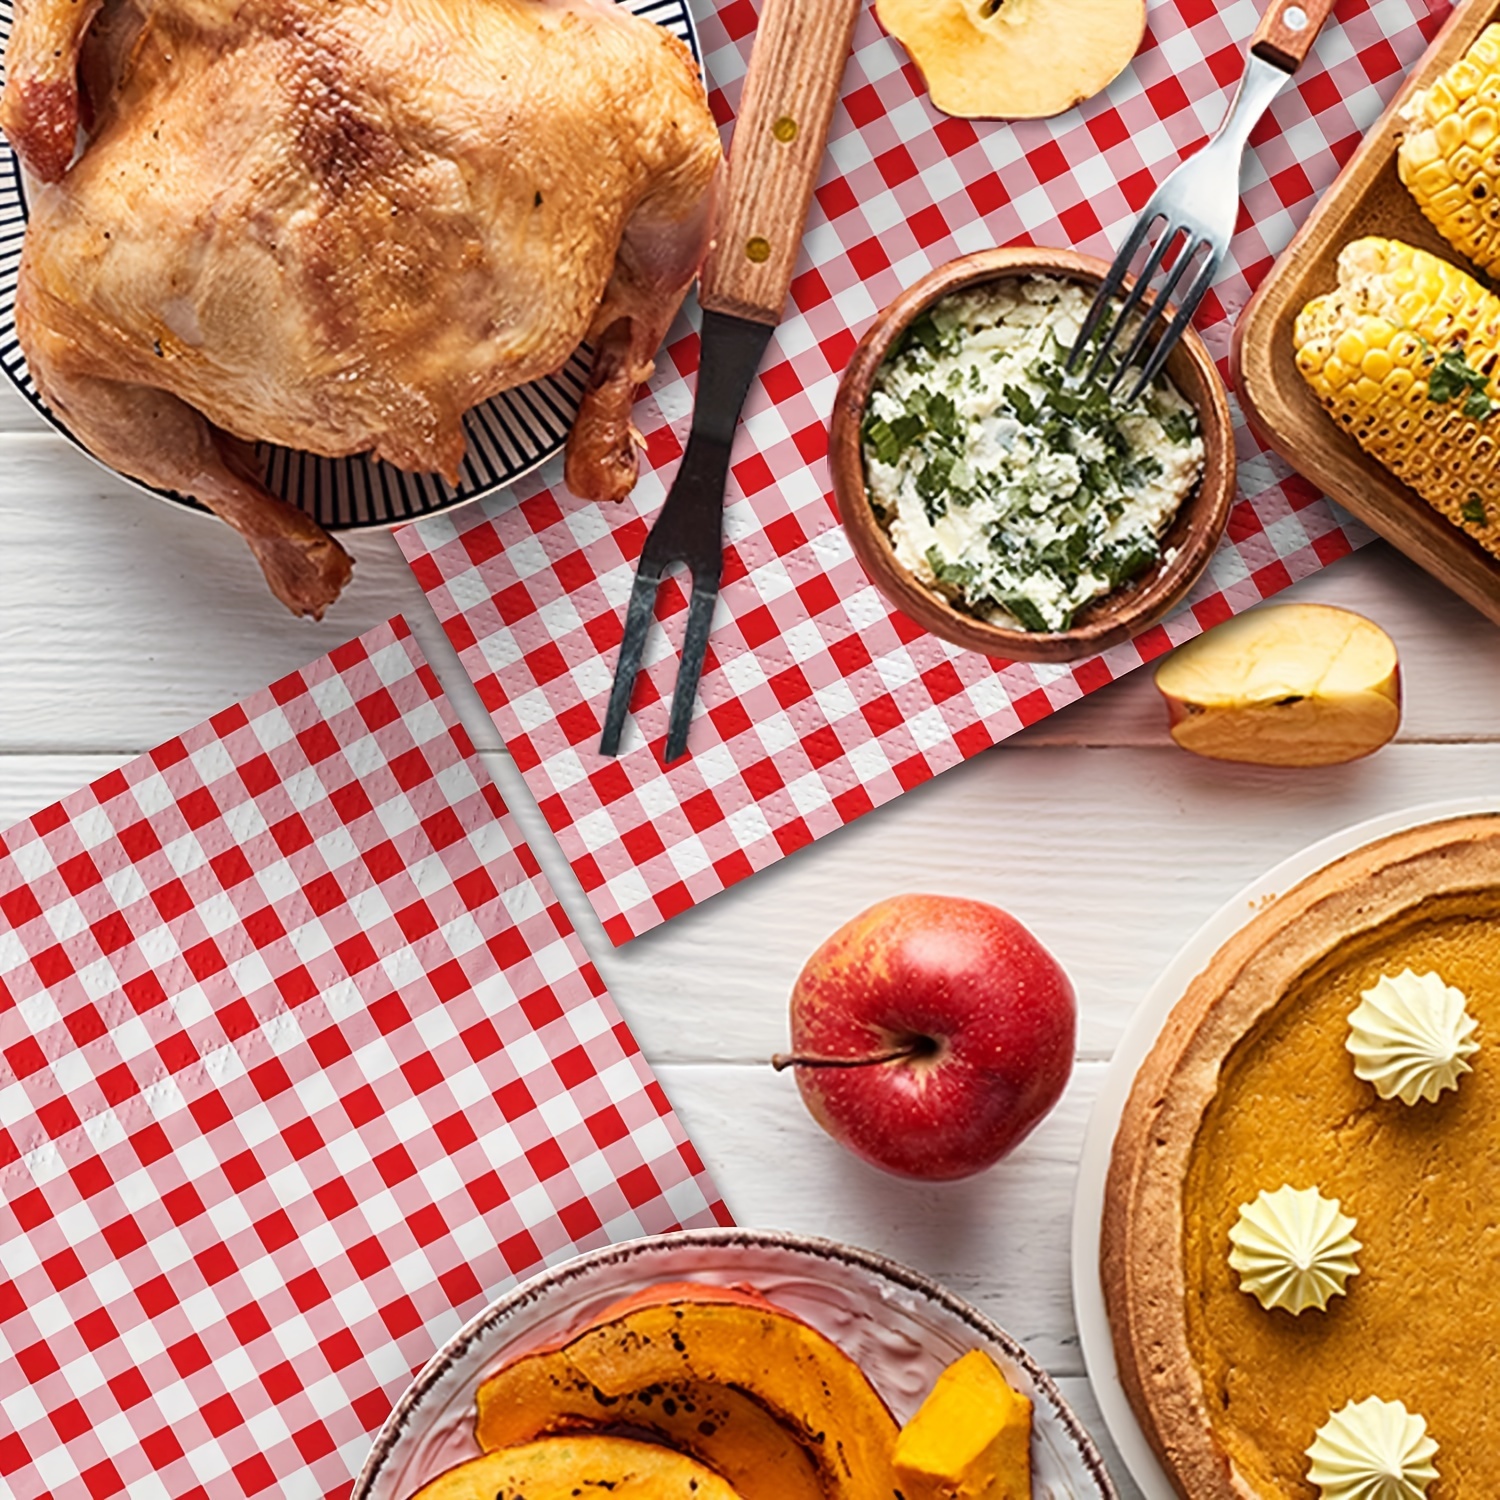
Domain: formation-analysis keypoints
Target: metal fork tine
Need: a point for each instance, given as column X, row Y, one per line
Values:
column 1112, row 283
column 648, row 577
column 1154, row 312
column 1131, row 303
column 1198, row 197
column 690, row 668
column 1185, row 310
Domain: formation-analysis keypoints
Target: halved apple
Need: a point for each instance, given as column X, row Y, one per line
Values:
column 1015, row 59
column 723, row 1341
column 1286, row 685
column 564, row 1468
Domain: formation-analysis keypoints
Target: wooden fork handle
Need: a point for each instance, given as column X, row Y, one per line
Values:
column 774, row 157
column 1287, row 31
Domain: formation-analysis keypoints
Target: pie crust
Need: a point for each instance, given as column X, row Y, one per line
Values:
column 1144, row 1264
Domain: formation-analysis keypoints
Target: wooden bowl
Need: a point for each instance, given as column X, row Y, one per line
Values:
column 1187, row 544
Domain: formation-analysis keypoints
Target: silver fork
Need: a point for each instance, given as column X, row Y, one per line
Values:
column 1200, row 202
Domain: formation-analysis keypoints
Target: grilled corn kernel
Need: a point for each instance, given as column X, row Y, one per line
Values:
column 1449, row 157
column 1404, row 354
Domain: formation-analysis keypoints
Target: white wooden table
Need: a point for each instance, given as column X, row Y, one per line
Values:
column 124, row 621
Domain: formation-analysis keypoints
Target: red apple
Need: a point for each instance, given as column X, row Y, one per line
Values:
column 931, row 1034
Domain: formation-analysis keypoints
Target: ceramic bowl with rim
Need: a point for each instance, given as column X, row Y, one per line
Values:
column 901, row 1328
column 1187, row 544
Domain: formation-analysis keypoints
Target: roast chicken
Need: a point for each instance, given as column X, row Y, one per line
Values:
column 339, row 224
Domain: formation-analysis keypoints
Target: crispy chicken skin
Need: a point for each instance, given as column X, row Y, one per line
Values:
column 339, row 224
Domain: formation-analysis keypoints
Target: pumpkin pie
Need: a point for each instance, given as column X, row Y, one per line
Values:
column 1251, row 1088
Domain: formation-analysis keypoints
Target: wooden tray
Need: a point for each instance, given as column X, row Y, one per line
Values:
column 1367, row 198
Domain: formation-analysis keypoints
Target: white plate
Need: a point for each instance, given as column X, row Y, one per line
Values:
column 508, row 436
column 900, row 1327
column 1140, row 1036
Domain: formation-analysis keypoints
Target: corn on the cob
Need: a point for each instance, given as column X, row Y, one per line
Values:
column 1449, row 157
column 1403, row 353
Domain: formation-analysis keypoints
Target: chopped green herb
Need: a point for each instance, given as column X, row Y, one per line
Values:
column 1071, row 398
column 932, row 484
column 1453, row 377
column 937, row 410
column 1126, row 559
column 906, row 429
column 956, row 575
column 1028, row 614
column 1022, row 404
column 1475, row 512
column 1096, row 477
column 1069, row 551
column 889, row 440
column 925, row 334
column 1136, row 474
column 881, row 440
column 1179, row 426
column 1068, row 403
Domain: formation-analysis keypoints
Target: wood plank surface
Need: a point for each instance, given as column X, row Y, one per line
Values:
column 1113, row 857
column 125, row 619
column 17, row 414
column 1445, row 700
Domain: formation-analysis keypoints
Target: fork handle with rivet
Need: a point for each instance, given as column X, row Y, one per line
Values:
column 774, row 158
column 790, row 92
column 1287, row 31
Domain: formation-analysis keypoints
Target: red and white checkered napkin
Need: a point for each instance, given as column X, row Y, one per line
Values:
column 300, row 1064
column 819, row 701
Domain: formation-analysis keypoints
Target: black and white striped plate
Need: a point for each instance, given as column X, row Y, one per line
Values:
column 508, row 436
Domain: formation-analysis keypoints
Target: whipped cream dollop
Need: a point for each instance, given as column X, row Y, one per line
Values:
column 1411, row 1036
column 1372, row 1450
column 1293, row 1249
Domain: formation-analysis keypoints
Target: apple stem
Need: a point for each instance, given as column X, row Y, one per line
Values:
column 922, row 1047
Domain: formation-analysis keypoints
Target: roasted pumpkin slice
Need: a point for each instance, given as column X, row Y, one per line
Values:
column 543, row 1394
column 713, row 1336
column 971, row 1437
column 562, row 1468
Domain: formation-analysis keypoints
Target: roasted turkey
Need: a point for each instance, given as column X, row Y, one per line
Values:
column 339, row 224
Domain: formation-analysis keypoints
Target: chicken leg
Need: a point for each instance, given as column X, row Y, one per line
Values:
column 150, row 435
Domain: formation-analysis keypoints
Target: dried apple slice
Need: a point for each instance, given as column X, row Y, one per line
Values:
column 1015, row 59
column 1289, row 685
column 564, row 1468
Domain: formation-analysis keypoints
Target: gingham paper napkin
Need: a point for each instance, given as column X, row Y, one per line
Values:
column 820, row 702
column 300, row 1065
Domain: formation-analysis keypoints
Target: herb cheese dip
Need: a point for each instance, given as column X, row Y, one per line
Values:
column 1014, row 490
